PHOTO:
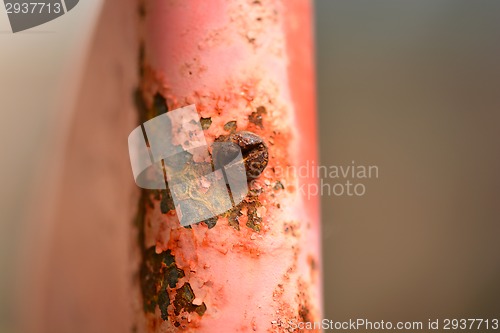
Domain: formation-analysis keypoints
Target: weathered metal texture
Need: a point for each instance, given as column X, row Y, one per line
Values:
column 247, row 65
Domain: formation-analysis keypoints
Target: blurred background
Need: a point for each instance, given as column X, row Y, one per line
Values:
column 412, row 87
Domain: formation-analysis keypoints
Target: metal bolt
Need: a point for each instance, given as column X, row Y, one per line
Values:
column 253, row 149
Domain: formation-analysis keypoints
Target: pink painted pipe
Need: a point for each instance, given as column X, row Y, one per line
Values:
column 247, row 66
column 246, row 63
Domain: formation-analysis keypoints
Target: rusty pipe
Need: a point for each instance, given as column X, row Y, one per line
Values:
column 247, row 66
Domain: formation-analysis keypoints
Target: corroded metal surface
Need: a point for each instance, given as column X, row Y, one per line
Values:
column 255, row 267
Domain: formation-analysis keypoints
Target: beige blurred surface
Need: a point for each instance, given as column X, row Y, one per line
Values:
column 90, row 267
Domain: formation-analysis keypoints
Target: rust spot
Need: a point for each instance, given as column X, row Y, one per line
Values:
column 304, row 313
column 254, row 220
column 159, row 105
column 158, row 271
column 205, row 123
column 313, row 268
column 256, row 116
column 291, row 228
column 184, row 301
column 201, row 309
column 166, row 203
column 250, row 204
column 279, row 186
column 230, row 126
column 232, row 217
column 312, row 263
column 146, row 113
column 163, row 303
column 211, row 222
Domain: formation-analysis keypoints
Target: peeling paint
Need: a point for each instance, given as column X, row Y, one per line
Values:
column 210, row 285
column 184, row 301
